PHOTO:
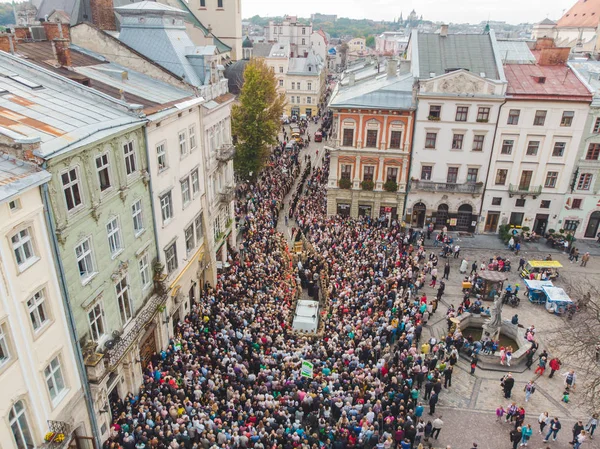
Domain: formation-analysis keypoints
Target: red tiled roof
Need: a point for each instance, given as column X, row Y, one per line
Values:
column 560, row 84
column 584, row 13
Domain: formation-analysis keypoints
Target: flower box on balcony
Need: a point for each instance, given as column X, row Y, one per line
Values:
column 367, row 185
column 345, row 183
column 433, row 118
column 482, row 120
column 391, row 186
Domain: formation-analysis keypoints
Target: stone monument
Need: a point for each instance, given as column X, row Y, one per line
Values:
column 492, row 326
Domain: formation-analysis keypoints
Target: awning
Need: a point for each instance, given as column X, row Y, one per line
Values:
column 493, row 276
column 537, row 285
column 545, row 263
column 556, row 294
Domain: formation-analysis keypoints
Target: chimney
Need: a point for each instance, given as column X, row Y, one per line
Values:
column 554, row 56
column 404, row 66
column 544, row 42
column 444, row 30
column 392, row 68
column 62, row 51
column 22, row 33
column 103, row 14
column 57, row 30
column 7, row 43
column 351, row 79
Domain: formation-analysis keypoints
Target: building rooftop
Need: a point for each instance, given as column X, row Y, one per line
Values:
column 547, row 21
column 515, row 52
column 441, row 54
column 583, row 14
column 17, row 176
column 381, row 91
column 63, row 114
column 589, row 72
column 547, row 82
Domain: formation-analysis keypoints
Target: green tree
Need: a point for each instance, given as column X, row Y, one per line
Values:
column 256, row 119
column 370, row 41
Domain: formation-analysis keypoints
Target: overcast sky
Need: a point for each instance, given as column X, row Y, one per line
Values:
column 459, row 11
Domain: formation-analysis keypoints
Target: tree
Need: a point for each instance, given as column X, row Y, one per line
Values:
column 256, row 119
column 370, row 41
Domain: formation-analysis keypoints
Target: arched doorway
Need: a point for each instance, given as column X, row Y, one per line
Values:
column 441, row 217
column 463, row 219
column 418, row 215
column 592, row 227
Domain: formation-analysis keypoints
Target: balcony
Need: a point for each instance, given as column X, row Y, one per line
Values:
column 429, row 186
column 524, row 190
column 225, row 152
column 227, row 194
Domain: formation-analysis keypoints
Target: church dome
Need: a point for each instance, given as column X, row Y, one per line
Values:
column 247, row 43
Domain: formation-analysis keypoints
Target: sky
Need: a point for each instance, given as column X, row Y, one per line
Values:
column 457, row 11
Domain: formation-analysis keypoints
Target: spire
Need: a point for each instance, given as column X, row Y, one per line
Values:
column 401, row 20
column 486, row 29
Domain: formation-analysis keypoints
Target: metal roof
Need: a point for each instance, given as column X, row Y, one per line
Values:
column 60, row 112
column 17, row 176
column 440, row 54
column 379, row 92
column 515, row 52
column 589, row 73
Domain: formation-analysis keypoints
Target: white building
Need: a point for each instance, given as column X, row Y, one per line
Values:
column 539, row 131
column 391, row 43
column 461, row 87
column 290, row 31
column 42, row 387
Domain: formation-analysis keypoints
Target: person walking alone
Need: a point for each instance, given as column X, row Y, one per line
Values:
column 554, row 366
column 554, row 428
column 437, row 427
column 584, row 259
column 446, row 270
column 529, row 390
column 433, row 400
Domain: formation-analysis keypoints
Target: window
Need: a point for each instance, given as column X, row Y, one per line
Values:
column 298, row 100
column 593, row 152
column 195, row 182
column 308, row 100
column 507, row 146
column 368, row 173
column 171, row 258
column 551, row 178
column 461, row 113
column 472, row 175
column 198, row 228
column 303, row 30
column 70, row 182
column 281, row 71
column 571, row 225
column 293, row 83
column 144, row 265
column 114, row 236
column 219, row 3
column 5, row 354
column 138, row 218
column 85, row 259
column 585, row 181
column 161, row 157
column 37, row 310
column 202, row 3
column 292, row 97
column 533, row 147
column 96, row 320
column 348, row 139
column 452, row 175
column 483, row 115
column 129, row 154
column 559, row 149
column 185, row 192
column 346, row 171
column 14, row 204
column 395, row 139
column 20, row 426
column 190, row 238
column 516, row 218
column 457, row 141
column 166, row 207
column 192, row 137
column 478, row 142
column 124, row 300
column 525, row 180
column 217, row 228
column 303, row 41
column 597, row 126
column 54, row 378
column 430, row 139
column 435, row 112
column 426, row 172
column 513, row 117
column 540, row 118
column 501, row 175
column 545, row 204
column 182, row 143
column 520, row 202
column 309, row 85
column 496, row 201
column 23, row 247
column 280, row 83
column 392, row 174
column 371, row 138
column 103, row 173
column 567, row 118
column 576, row 203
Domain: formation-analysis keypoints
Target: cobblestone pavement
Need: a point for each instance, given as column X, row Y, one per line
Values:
column 468, row 406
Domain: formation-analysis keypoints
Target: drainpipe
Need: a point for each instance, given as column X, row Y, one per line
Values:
column 152, row 206
column 487, row 175
column 410, row 159
column 89, row 402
